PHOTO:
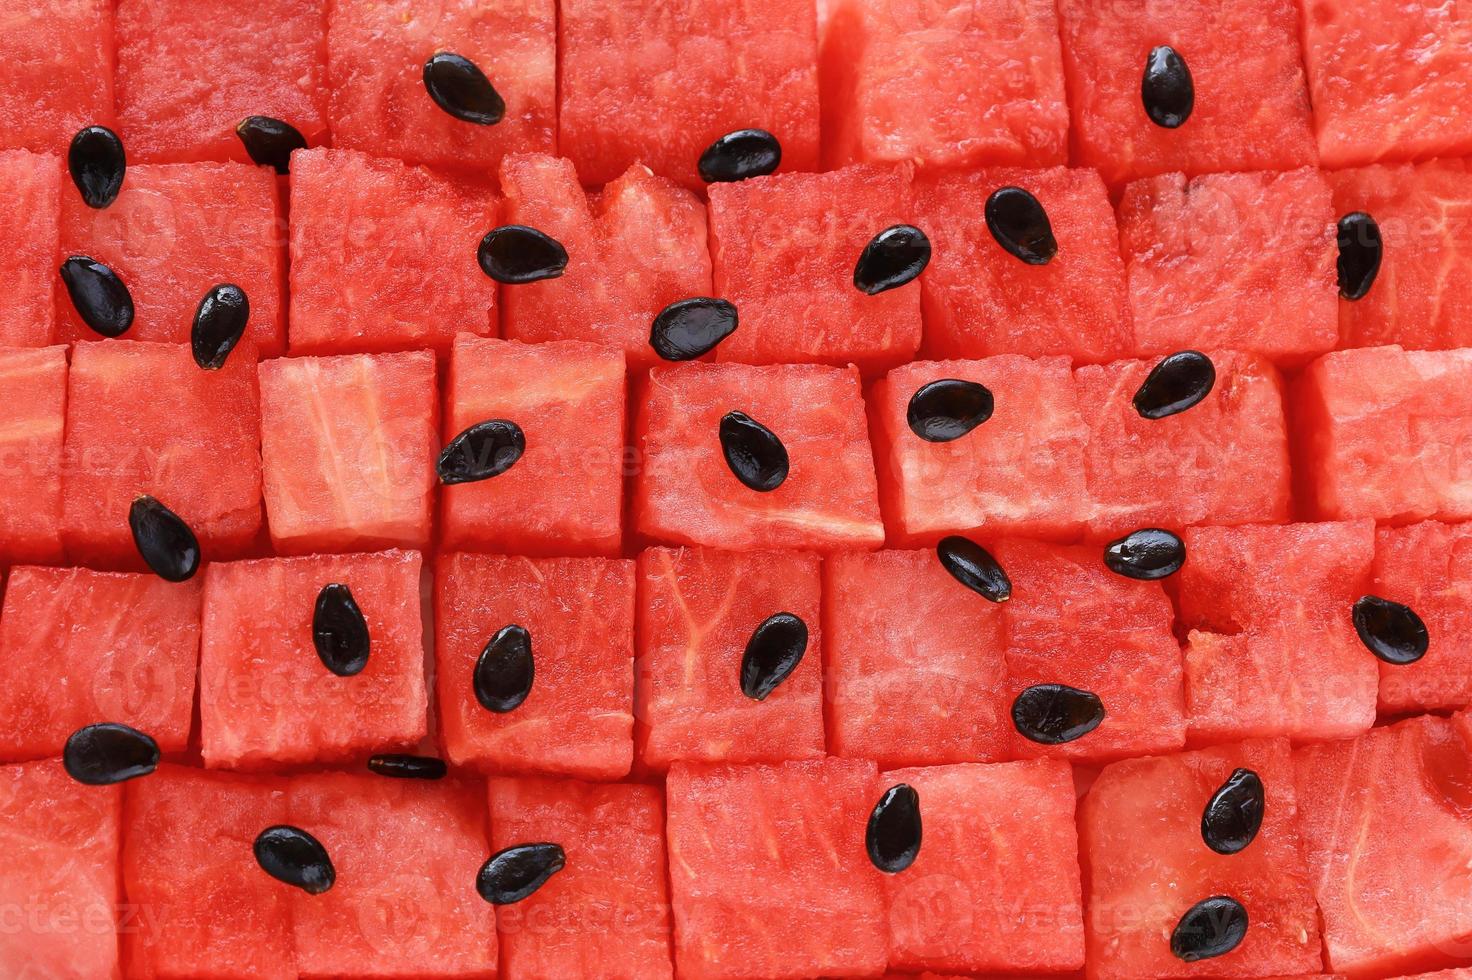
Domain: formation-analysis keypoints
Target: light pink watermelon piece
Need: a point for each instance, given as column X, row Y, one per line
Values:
column 29, row 238
column 1428, row 567
column 59, row 72
column 33, row 387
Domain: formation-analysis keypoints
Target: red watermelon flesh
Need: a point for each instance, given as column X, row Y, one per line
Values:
column 578, row 719
column 607, row 912
column 633, row 248
column 33, row 388
column 1428, row 566
column 29, row 239
column 768, row 871
column 58, row 59
column 996, row 885
column 698, row 609
column 1458, row 973
column 565, row 495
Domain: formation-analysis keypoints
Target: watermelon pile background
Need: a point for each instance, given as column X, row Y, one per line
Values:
column 708, row 833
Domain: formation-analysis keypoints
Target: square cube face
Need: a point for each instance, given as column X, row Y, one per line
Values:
column 564, row 496
column 175, row 232
column 376, row 51
column 29, row 239
column 374, row 418
column 698, row 611
column 266, row 698
column 1140, row 829
column 1428, row 567
column 687, row 493
column 1251, row 108
column 190, row 70
column 197, row 450
column 607, row 911
column 785, row 257
column 699, row 71
column 1019, row 471
column 959, row 83
column 768, row 870
column 633, row 248
column 383, row 255
column 578, row 717
column 33, row 389
column 1234, row 261
column 59, row 72
column 914, row 662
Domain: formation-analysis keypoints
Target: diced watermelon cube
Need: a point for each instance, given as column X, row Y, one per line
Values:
column 951, row 84
column 59, row 65
column 1235, row 261
column 142, row 418
column 383, row 255
column 348, row 445
column 578, row 718
column 607, row 912
column 698, row 609
column 980, row 301
column 29, row 237
column 1428, row 567
column 565, row 495
column 190, row 70
column 768, row 871
column 633, row 248
column 785, row 257
column 1251, row 107
column 686, row 492
column 33, row 389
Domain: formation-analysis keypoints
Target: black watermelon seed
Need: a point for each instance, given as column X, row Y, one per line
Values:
column 1360, row 251
column 1177, row 383
column 974, row 567
column 101, row 299
column 516, row 255
column 270, row 142
column 775, row 649
column 504, row 671
column 100, row 755
column 1166, row 89
column 1212, row 927
column 1019, row 223
column 1147, row 554
column 689, row 328
column 894, row 833
column 946, row 410
column 1391, row 631
column 339, row 631
column 1233, row 815
column 219, row 323
column 482, row 451
column 166, row 543
column 407, row 766
column 739, row 155
column 513, row 874
column 753, row 451
column 1052, row 714
column 459, row 87
column 97, row 164
column 895, row 256
column 291, row 855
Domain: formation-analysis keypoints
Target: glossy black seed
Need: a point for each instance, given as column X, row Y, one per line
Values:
column 1166, row 90
column 895, row 256
column 739, row 155
column 1147, row 554
column 516, row 255
column 894, row 833
column 339, row 631
column 504, row 671
column 1391, row 631
column 1020, row 224
column 97, row 164
column 775, row 649
column 974, row 567
column 407, row 766
column 100, row 297
column 1233, row 815
column 688, row 328
column 513, row 874
column 100, row 755
column 166, row 543
column 948, row 409
column 292, row 855
column 459, row 87
column 482, row 451
column 270, row 142
column 1360, row 252
column 219, row 323
column 1213, row 927
column 1052, row 714
column 1175, row 384
column 753, row 451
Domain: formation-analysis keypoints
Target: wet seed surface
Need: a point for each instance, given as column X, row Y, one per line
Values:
column 339, row 631
column 458, row 86
column 1233, row 815
column 165, row 542
column 101, row 298
column 894, row 257
column 291, row 855
column 775, row 649
column 1210, row 928
column 1178, row 382
column 690, row 328
column 269, row 142
column 97, row 163
column 518, row 254
column 485, row 450
column 974, row 567
column 946, row 410
column 739, row 155
column 1166, row 90
column 100, row 755
column 219, row 323
column 1147, row 554
column 1019, row 223
column 894, row 834
column 753, row 452
column 1055, row 714
column 1360, row 251
column 515, row 873
column 407, row 766
column 504, row 671
column 1390, row 630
